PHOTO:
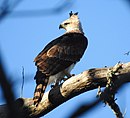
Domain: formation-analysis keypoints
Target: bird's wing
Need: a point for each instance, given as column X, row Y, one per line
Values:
column 61, row 53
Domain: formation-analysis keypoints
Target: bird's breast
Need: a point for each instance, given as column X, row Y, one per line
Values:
column 60, row 75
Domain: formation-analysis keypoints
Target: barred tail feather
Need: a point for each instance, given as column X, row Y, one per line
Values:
column 41, row 81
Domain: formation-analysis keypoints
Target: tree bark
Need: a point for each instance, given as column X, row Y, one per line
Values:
column 86, row 81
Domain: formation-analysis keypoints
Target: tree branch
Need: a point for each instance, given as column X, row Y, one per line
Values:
column 86, row 81
column 108, row 95
column 8, row 95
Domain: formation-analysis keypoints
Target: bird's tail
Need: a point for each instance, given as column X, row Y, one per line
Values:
column 41, row 81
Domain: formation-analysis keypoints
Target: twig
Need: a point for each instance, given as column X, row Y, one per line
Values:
column 22, row 82
column 34, row 13
column 6, row 8
column 84, row 109
column 108, row 95
column 127, row 53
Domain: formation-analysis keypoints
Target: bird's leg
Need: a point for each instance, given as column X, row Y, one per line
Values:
column 68, row 75
column 56, row 83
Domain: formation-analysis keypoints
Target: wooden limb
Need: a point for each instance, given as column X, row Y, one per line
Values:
column 108, row 95
column 86, row 81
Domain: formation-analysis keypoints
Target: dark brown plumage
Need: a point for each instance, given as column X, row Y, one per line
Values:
column 59, row 55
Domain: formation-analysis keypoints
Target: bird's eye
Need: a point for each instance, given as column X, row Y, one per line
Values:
column 66, row 23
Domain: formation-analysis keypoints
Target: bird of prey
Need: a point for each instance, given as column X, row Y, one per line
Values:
column 59, row 56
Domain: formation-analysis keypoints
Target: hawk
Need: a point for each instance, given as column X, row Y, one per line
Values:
column 59, row 56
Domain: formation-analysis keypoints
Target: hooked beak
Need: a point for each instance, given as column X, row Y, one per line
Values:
column 61, row 26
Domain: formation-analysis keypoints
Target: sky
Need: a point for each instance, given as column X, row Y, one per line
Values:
column 23, row 35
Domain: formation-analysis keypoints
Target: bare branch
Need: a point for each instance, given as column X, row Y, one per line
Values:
column 86, row 81
column 8, row 10
column 8, row 94
column 42, row 12
column 85, row 108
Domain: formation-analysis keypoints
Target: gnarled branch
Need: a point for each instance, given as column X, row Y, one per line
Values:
column 86, row 81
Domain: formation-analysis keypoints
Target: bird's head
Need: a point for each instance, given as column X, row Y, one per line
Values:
column 72, row 24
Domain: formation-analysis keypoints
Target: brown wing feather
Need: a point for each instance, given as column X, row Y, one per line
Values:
column 61, row 53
